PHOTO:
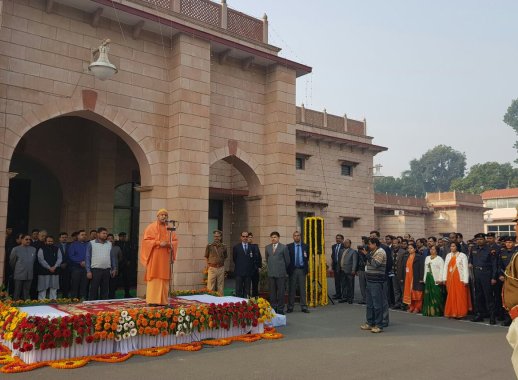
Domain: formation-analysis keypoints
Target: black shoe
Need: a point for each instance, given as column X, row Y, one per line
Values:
column 492, row 320
column 477, row 318
column 337, row 297
column 361, row 303
column 289, row 311
column 305, row 311
column 342, row 301
column 506, row 323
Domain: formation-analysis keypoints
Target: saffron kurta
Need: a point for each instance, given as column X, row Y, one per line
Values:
column 157, row 261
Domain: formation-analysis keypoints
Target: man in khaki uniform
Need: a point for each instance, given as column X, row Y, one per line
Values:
column 216, row 253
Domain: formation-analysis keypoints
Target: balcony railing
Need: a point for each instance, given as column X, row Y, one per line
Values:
column 330, row 122
column 217, row 15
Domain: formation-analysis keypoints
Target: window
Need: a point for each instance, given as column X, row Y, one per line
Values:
column 502, row 230
column 347, row 223
column 491, row 203
column 347, row 170
column 300, row 163
column 512, row 202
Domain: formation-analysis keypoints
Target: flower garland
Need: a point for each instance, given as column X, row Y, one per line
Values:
column 15, row 365
column 316, row 285
column 59, row 301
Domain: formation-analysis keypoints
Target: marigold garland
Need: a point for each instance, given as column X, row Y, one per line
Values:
column 69, row 363
column 316, row 284
column 217, row 342
column 154, row 351
column 116, row 357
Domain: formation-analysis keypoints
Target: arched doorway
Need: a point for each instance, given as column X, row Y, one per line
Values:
column 71, row 168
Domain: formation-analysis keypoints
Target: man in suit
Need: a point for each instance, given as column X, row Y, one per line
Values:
column 297, row 271
column 336, row 257
column 244, row 263
column 348, row 265
column 258, row 265
column 277, row 259
column 64, row 270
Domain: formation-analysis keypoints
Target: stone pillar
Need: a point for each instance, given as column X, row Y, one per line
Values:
column 188, row 157
column 278, row 210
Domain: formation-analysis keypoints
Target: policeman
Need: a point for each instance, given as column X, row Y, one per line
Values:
column 495, row 248
column 484, row 266
column 506, row 254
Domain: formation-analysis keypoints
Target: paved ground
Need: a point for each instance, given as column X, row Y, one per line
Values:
column 328, row 344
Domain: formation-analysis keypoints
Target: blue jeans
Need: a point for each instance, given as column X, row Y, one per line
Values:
column 375, row 299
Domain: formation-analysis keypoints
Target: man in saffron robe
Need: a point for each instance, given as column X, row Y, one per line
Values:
column 155, row 256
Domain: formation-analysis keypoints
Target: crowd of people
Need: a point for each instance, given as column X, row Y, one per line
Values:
column 436, row 277
column 443, row 276
column 88, row 267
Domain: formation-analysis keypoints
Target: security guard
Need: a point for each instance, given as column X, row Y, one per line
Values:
column 484, row 266
column 495, row 248
column 506, row 254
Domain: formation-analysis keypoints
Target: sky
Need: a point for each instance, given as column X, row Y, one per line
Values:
column 422, row 73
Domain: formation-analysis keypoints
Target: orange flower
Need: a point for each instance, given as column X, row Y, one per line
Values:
column 175, row 318
column 111, row 335
column 97, row 335
column 152, row 322
column 177, row 311
column 114, row 326
column 147, row 330
column 107, row 318
column 107, row 326
column 164, row 333
column 144, row 322
column 206, row 311
column 172, row 326
column 196, row 323
column 141, row 331
column 157, row 314
column 202, row 319
column 104, row 334
column 169, row 313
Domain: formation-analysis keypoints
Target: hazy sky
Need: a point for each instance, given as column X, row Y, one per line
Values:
column 423, row 73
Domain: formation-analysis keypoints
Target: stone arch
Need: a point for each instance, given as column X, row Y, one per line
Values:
column 243, row 162
column 89, row 107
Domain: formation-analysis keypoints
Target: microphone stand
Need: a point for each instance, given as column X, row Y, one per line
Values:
column 171, row 257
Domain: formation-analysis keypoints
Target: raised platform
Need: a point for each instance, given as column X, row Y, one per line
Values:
column 54, row 332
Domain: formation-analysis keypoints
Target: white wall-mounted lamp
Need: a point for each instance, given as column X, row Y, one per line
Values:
column 102, row 68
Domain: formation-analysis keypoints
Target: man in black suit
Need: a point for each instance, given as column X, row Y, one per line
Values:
column 258, row 265
column 336, row 257
column 297, row 271
column 244, row 262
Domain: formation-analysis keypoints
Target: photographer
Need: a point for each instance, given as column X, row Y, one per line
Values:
column 376, row 261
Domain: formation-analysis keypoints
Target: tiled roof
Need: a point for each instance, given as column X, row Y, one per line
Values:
column 501, row 193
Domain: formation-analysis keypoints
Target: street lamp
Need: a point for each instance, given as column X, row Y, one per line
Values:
column 102, row 68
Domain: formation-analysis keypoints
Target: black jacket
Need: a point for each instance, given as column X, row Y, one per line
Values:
column 244, row 262
column 418, row 269
column 305, row 257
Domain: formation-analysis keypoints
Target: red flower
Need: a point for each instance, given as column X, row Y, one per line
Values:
column 79, row 340
column 89, row 339
column 57, row 334
column 47, row 337
column 66, row 333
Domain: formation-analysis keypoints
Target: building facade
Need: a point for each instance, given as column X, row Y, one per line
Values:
column 200, row 119
column 437, row 214
column 503, row 209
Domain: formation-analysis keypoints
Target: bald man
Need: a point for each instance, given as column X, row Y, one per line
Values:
column 156, row 257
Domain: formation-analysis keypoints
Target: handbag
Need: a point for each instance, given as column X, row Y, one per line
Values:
column 510, row 287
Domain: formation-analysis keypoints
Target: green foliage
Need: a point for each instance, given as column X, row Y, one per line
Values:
column 487, row 176
column 433, row 172
column 511, row 119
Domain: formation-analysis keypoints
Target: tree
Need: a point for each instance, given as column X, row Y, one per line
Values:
column 438, row 167
column 434, row 171
column 487, row 176
column 511, row 119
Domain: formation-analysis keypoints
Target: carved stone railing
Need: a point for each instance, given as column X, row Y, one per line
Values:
column 217, row 15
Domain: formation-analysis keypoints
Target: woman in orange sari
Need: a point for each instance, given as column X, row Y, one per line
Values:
column 414, row 285
column 456, row 276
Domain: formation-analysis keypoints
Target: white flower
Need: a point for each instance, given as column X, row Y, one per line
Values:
column 182, row 312
column 133, row 332
column 128, row 318
column 180, row 333
column 124, row 313
column 117, row 338
column 185, row 326
column 179, row 327
column 180, row 319
column 126, row 335
column 131, row 324
column 119, row 328
column 125, row 326
column 188, row 318
column 121, row 321
column 190, row 325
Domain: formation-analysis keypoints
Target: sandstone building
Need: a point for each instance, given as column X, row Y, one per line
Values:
column 200, row 119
